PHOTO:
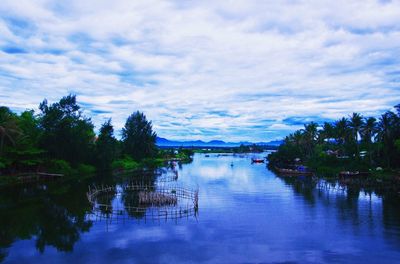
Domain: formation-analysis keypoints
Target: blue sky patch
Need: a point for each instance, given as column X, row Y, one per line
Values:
column 248, row 71
column 13, row 50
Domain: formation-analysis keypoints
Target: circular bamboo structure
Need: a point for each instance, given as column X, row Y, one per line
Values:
column 149, row 202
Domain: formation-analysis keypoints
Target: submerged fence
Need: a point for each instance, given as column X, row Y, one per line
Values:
column 147, row 202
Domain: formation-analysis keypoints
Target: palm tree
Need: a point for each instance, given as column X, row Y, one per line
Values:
column 356, row 122
column 341, row 130
column 326, row 132
column 288, row 139
column 386, row 130
column 310, row 132
column 9, row 130
column 297, row 138
column 368, row 131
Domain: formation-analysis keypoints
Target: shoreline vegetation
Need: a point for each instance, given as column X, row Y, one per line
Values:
column 352, row 149
column 235, row 150
column 60, row 140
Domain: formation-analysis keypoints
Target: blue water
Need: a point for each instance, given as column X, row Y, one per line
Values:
column 246, row 215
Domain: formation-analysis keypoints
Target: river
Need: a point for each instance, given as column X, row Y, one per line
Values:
column 245, row 214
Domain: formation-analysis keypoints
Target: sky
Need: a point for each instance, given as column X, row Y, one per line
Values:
column 229, row 70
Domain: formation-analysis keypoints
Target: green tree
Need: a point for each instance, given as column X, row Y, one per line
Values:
column 327, row 132
column 138, row 137
column 342, row 132
column 368, row 132
column 27, row 154
column 9, row 130
column 356, row 122
column 297, row 138
column 387, row 129
column 29, row 124
column 67, row 134
column 296, row 141
column 310, row 133
column 381, row 139
column 106, row 146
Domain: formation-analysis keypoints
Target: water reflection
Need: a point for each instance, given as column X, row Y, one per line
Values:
column 138, row 199
column 247, row 214
column 50, row 215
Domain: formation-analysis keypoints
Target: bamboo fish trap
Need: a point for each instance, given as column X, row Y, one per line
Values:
column 147, row 202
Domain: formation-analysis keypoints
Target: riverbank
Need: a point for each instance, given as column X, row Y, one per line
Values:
column 378, row 181
column 79, row 173
column 244, row 201
column 123, row 166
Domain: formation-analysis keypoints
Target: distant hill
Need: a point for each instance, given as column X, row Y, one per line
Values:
column 274, row 143
column 163, row 142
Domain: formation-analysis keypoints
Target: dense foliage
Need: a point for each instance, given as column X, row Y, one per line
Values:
column 138, row 137
column 350, row 143
column 61, row 139
column 106, row 146
column 67, row 135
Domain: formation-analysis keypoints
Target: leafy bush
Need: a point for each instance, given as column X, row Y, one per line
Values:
column 126, row 163
column 152, row 163
column 84, row 169
column 60, row 166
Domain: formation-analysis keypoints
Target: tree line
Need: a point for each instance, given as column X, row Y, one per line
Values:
column 61, row 138
column 350, row 143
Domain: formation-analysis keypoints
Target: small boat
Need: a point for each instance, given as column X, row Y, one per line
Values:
column 253, row 160
column 291, row 172
column 207, row 156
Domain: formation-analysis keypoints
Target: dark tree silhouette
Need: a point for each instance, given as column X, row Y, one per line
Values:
column 9, row 130
column 67, row 134
column 138, row 137
column 106, row 146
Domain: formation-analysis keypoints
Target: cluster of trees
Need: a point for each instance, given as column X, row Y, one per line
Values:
column 248, row 148
column 182, row 154
column 61, row 138
column 355, row 142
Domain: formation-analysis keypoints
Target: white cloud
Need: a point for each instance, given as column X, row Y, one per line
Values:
column 178, row 61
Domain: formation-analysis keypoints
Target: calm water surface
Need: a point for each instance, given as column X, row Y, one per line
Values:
column 246, row 215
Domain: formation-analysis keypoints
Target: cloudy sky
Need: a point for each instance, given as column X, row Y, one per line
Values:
column 231, row 70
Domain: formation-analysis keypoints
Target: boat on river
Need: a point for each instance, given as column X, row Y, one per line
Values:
column 254, row 160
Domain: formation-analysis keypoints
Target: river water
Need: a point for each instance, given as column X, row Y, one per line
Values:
column 245, row 214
